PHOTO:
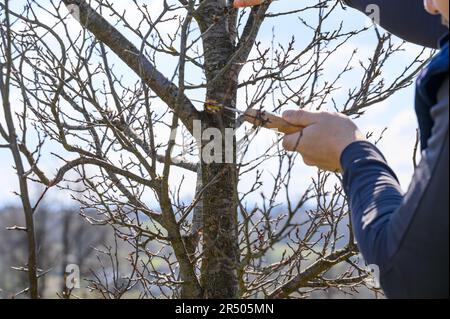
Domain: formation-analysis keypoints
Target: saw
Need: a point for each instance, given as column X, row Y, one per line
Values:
column 266, row 120
column 256, row 117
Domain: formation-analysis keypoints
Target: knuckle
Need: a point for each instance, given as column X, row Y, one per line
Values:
column 296, row 116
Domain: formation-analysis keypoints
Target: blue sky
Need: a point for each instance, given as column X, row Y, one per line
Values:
column 396, row 113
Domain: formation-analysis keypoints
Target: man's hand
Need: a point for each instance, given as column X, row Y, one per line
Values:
column 324, row 138
column 246, row 3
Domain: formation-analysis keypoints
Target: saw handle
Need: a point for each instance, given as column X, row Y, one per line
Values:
column 270, row 121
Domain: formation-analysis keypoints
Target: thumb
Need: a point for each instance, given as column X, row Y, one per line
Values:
column 300, row 117
column 246, row 3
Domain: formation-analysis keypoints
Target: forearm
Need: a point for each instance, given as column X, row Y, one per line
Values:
column 406, row 19
column 374, row 195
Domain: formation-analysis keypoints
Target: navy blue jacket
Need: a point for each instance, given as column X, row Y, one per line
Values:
column 406, row 19
column 407, row 235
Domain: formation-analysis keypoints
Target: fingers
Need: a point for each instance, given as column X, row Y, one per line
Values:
column 246, row 3
column 292, row 142
column 300, row 117
column 430, row 7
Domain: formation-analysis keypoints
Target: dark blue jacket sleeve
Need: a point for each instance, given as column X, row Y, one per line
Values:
column 374, row 194
column 406, row 19
column 405, row 235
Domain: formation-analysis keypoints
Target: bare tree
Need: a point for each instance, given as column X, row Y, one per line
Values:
column 63, row 237
column 127, row 137
column 10, row 134
column 11, row 259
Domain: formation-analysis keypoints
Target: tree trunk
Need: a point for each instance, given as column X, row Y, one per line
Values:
column 220, row 228
column 65, row 238
column 12, row 138
column 220, row 244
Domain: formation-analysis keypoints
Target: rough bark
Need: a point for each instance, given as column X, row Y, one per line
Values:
column 220, row 235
